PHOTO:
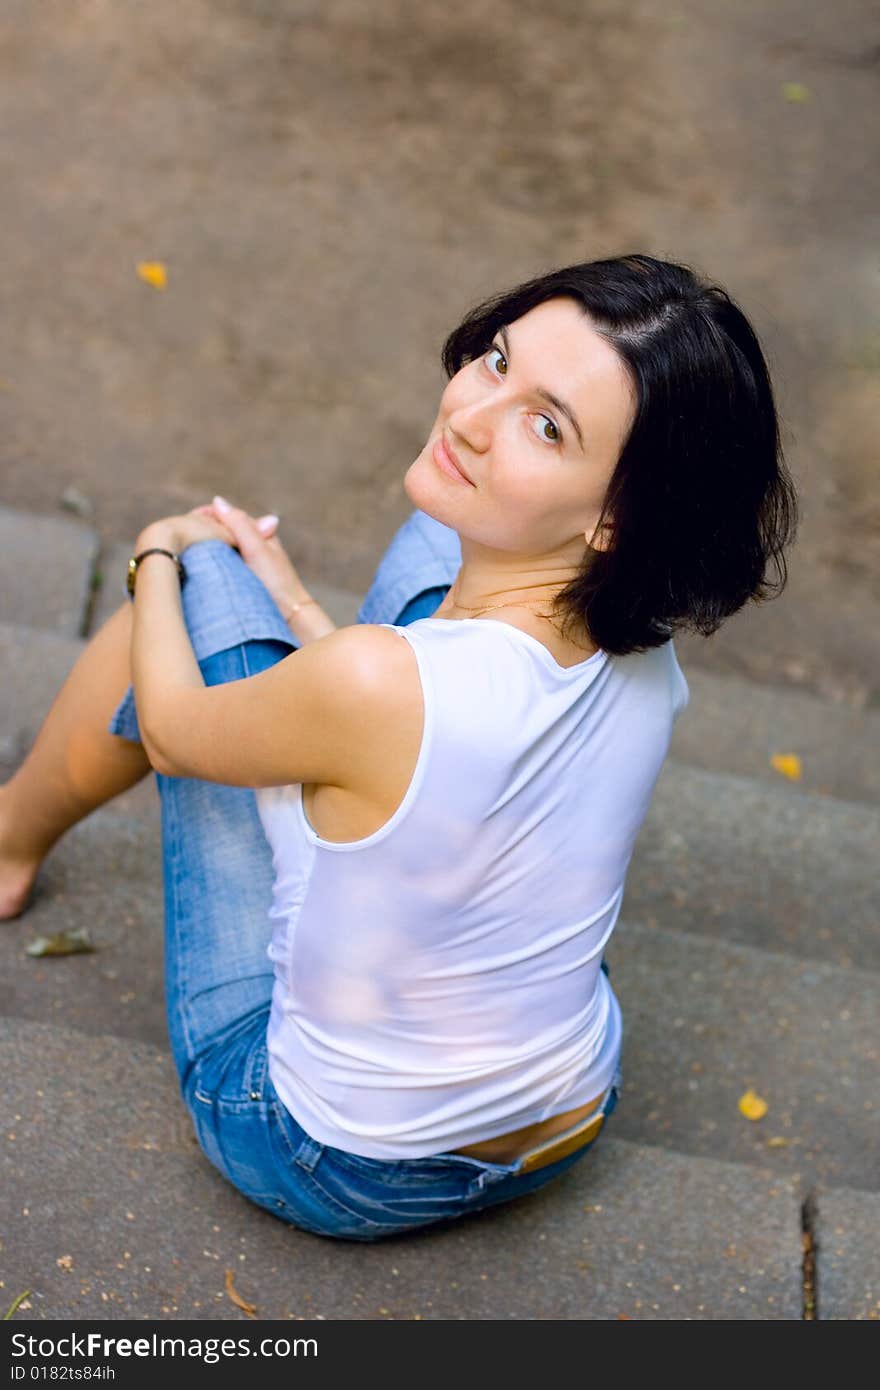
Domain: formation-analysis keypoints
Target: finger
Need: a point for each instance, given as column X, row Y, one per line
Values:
column 267, row 524
column 208, row 511
column 220, row 506
column 240, row 522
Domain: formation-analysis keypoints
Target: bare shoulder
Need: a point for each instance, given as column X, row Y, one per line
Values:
column 381, row 707
column 382, row 672
column 371, row 653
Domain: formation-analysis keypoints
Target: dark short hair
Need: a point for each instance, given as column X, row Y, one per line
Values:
column 700, row 502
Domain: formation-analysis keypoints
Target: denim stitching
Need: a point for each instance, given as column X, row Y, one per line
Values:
column 293, row 1151
column 307, row 1155
column 182, row 992
column 251, row 611
column 335, row 1210
column 170, row 827
column 257, row 1065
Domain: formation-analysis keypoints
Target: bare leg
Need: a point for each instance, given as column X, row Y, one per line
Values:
column 75, row 764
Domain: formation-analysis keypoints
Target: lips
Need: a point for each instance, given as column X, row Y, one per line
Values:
column 444, row 455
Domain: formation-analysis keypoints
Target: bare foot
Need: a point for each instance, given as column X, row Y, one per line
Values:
column 16, row 887
column 17, row 875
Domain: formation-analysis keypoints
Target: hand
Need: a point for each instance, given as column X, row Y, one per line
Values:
column 177, row 532
column 258, row 544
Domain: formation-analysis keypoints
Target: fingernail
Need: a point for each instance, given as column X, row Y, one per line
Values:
column 265, row 522
column 221, row 504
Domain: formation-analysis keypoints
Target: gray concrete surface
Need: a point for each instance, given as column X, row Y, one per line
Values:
column 34, row 664
column 739, row 860
column 706, row 1020
column 332, row 186
column 735, row 725
column 349, row 183
column 112, row 1211
column 47, row 569
column 104, row 876
column 848, row 1254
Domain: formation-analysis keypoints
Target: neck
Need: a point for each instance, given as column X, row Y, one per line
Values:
column 491, row 579
column 536, row 598
column 521, row 594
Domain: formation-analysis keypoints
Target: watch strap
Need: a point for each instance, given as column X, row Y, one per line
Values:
column 153, row 550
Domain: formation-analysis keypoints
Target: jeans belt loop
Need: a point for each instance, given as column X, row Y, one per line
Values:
column 308, row 1153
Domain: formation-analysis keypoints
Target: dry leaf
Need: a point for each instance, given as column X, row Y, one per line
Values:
column 16, row 1303
column 249, row 1308
column 777, row 1142
column 795, row 91
column 789, row 764
column 752, row 1106
column 153, row 272
column 63, row 943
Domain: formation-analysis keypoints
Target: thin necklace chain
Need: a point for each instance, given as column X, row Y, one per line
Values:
column 487, row 607
column 511, row 603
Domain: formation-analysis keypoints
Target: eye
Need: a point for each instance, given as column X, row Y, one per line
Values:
column 556, row 436
column 501, row 355
column 549, row 439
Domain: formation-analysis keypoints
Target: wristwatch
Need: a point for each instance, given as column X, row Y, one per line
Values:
column 154, row 550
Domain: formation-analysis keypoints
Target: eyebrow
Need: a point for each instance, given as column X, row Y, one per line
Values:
column 549, row 396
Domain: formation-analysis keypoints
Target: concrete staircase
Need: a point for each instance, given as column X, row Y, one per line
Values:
column 746, row 956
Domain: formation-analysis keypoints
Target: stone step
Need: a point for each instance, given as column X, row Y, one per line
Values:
column 735, row 725
column 104, row 876
column 46, row 569
column 704, row 1019
column 35, row 664
column 735, row 859
column 847, row 1235
column 109, row 1210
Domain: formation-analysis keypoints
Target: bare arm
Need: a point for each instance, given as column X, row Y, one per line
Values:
column 302, row 720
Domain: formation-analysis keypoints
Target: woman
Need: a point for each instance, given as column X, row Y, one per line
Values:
column 391, row 866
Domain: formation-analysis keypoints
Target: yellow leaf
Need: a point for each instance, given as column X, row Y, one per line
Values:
column 752, row 1106
column 789, row 764
column 777, row 1142
column 153, row 272
column 249, row 1308
column 795, row 91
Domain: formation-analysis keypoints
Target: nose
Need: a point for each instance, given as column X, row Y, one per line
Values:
column 471, row 422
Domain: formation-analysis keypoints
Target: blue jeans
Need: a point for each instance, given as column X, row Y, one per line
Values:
column 217, row 875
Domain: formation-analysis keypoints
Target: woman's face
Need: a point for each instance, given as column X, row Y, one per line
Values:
column 538, row 467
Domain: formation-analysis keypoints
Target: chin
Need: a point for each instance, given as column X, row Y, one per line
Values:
column 421, row 488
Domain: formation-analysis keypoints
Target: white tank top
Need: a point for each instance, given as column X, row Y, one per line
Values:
column 438, row 982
